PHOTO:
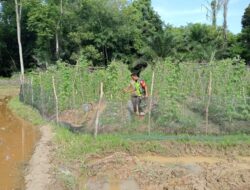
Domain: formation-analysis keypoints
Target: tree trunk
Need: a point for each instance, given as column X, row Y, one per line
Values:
column 61, row 6
column 57, row 44
column 107, row 56
column 225, row 10
column 58, row 31
column 214, row 12
column 18, row 20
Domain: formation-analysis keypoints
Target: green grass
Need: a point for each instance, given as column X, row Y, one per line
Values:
column 8, row 91
column 78, row 146
column 207, row 139
column 26, row 112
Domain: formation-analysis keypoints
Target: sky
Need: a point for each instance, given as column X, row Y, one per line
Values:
column 182, row 12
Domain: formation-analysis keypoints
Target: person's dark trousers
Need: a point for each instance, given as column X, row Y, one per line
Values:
column 136, row 101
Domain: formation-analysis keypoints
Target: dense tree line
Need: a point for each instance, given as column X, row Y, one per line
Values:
column 106, row 30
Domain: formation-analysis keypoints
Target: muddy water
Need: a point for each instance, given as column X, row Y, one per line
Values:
column 17, row 139
column 181, row 160
column 108, row 183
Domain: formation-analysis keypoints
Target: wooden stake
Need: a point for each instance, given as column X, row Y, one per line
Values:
column 56, row 99
column 150, row 104
column 209, row 99
column 41, row 94
column 244, row 95
column 32, row 96
column 74, row 90
column 98, row 111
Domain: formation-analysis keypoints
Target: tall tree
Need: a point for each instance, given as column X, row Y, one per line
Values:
column 150, row 27
column 43, row 19
column 18, row 6
column 212, row 7
column 225, row 13
column 245, row 35
column 215, row 8
column 58, row 29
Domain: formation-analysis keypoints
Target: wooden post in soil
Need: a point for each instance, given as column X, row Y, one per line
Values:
column 32, row 95
column 98, row 110
column 56, row 99
column 150, row 104
column 41, row 94
column 74, row 89
column 244, row 95
column 209, row 99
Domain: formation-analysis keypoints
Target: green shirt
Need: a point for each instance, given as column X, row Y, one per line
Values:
column 137, row 88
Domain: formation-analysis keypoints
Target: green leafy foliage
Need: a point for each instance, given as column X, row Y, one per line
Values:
column 107, row 30
column 75, row 85
column 180, row 94
column 245, row 36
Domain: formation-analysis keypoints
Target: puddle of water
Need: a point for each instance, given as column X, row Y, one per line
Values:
column 181, row 160
column 114, row 184
column 244, row 158
column 17, row 139
column 108, row 183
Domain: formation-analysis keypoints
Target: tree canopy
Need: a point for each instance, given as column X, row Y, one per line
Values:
column 245, row 35
column 106, row 30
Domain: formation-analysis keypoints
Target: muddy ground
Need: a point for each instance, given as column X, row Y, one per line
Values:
column 185, row 168
column 181, row 167
column 20, row 142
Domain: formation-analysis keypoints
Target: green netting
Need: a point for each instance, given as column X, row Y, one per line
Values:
column 179, row 102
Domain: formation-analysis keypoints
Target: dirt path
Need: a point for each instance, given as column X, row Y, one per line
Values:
column 38, row 176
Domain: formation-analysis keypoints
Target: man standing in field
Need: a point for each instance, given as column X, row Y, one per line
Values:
column 139, row 92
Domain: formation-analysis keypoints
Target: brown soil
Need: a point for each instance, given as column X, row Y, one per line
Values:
column 181, row 166
column 150, row 172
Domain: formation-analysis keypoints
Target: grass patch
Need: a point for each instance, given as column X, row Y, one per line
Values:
column 9, row 86
column 185, row 138
column 8, row 91
column 78, row 146
column 26, row 112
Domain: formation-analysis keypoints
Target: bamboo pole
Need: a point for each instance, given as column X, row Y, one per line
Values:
column 98, row 111
column 244, row 95
column 32, row 95
column 41, row 94
column 74, row 90
column 150, row 104
column 56, row 99
column 209, row 99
